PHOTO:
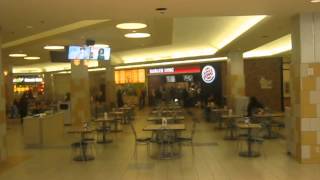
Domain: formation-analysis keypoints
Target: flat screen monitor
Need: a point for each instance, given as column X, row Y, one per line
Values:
column 188, row 78
column 171, row 79
column 88, row 53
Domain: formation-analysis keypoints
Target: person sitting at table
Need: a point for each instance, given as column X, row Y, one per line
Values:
column 254, row 106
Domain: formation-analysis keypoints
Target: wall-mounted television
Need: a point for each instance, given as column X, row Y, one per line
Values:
column 88, row 53
column 188, row 78
column 171, row 79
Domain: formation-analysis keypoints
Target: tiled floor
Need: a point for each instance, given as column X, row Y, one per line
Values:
column 115, row 161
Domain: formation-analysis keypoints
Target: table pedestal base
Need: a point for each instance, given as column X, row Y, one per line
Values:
column 82, row 158
column 249, row 154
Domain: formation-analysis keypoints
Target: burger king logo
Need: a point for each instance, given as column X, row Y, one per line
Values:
column 208, row 74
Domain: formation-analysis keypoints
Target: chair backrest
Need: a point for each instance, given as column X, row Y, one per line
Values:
column 133, row 130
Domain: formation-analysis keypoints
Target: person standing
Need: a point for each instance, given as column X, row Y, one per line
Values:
column 142, row 98
column 119, row 98
column 23, row 106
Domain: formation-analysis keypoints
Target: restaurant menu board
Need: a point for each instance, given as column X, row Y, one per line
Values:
column 88, row 53
column 130, row 76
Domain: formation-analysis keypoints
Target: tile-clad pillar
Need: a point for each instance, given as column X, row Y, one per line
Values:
column 48, row 86
column 110, row 85
column 8, row 81
column 235, row 73
column 80, row 94
column 304, row 132
column 3, row 151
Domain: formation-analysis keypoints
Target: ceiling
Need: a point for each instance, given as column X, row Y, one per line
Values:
column 187, row 24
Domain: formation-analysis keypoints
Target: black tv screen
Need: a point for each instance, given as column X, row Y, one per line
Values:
column 88, row 53
column 171, row 79
column 58, row 56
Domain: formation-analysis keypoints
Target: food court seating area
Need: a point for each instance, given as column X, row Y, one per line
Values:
column 142, row 148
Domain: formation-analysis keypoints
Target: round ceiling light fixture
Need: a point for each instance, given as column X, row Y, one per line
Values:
column 18, row 55
column 137, row 35
column 315, row 1
column 131, row 26
column 53, row 47
column 31, row 58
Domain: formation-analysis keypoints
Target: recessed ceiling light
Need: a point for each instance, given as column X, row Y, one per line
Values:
column 31, row 58
column 101, row 45
column 314, row 1
column 137, row 35
column 17, row 55
column 54, row 47
column 131, row 26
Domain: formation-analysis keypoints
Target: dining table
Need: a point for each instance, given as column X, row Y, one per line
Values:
column 104, row 129
column 249, row 127
column 119, row 118
column 268, row 118
column 166, row 135
column 230, row 121
column 83, row 131
column 174, row 119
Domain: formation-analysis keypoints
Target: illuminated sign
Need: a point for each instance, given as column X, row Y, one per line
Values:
column 175, row 70
column 27, row 80
column 161, row 70
column 208, row 74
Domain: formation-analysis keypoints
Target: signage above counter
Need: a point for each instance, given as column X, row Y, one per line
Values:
column 174, row 70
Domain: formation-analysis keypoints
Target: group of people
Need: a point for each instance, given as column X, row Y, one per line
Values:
column 19, row 108
column 187, row 96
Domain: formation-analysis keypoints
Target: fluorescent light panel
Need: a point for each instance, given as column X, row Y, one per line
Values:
column 17, row 55
column 49, row 47
column 278, row 46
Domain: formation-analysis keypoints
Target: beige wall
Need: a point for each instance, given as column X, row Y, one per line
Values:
column 263, row 81
column 2, row 110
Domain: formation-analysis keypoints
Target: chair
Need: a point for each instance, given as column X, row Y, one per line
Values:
column 139, row 141
column 189, row 140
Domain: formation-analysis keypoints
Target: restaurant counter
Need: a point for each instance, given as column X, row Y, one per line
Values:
column 44, row 129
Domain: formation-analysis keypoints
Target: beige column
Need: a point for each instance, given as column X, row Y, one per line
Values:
column 236, row 81
column 3, row 150
column 48, row 86
column 304, row 125
column 80, row 94
column 8, row 81
column 110, row 85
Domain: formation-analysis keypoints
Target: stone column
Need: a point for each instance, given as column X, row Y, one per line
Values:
column 80, row 94
column 8, row 81
column 48, row 86
column 304, row 131
column 110, row 86
column 236, row 80
column 3, row 129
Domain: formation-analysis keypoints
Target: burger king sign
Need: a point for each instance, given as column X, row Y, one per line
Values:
column 208, row 74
